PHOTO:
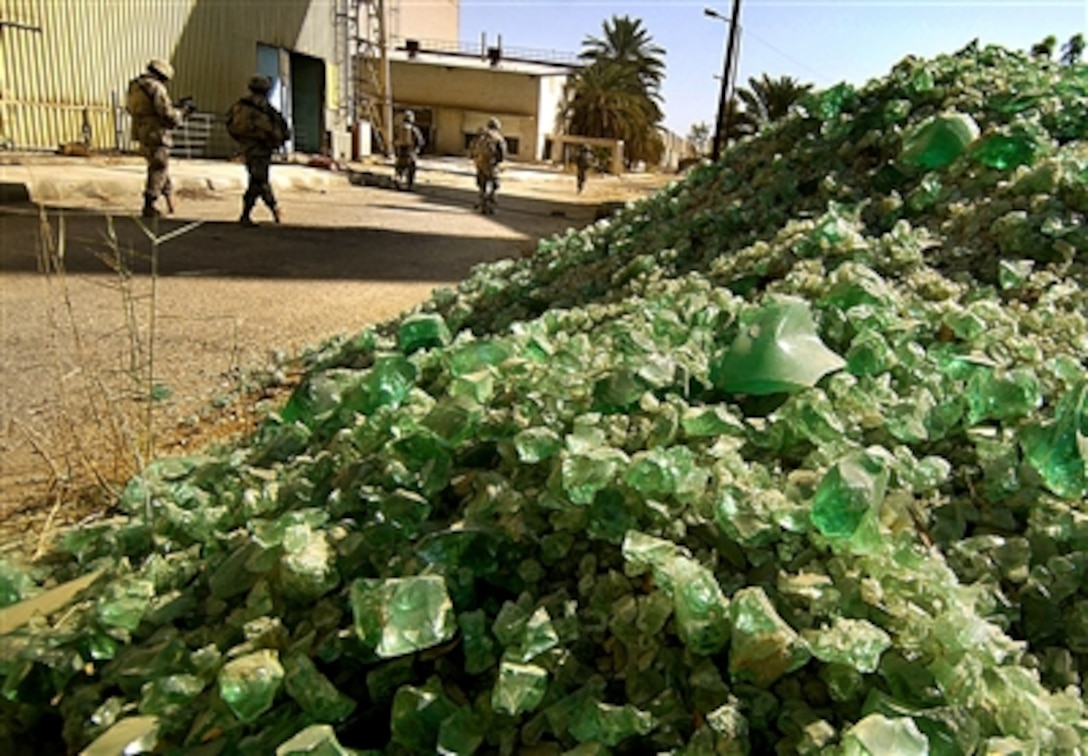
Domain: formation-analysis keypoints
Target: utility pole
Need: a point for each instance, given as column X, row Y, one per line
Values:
column 721, row 123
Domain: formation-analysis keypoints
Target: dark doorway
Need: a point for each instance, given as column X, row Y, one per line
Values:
column 307, row 102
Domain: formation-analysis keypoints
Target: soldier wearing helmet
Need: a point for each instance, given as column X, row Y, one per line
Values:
column 153, row 116
column 260, row 130
column 488, row 151
column 408, row 142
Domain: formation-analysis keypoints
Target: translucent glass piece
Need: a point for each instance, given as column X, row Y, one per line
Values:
column 315, row 740
column 131, row 735
column 402, row 615
column 417, row 715
column 519, row 688
column 939, row 140
column 876, row 735
column 858, row 643
column 1008, row 148
column 422, row 331
column 763, row 646
column 701, row 609
column 1002, row 396
column 313, row 691
column 853, row 488
column 248, row 684
column 1059, row 450
column 777, row 350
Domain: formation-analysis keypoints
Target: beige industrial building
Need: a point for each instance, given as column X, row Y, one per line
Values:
column 454, row 93
column 65, row 66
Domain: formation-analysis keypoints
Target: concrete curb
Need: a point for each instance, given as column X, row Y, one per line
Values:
column 72, row 179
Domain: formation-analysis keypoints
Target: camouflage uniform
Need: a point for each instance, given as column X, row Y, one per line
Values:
column 153, row 115
column 260, row 130
column 408, row 142
column 488, row 151
column 583, row 163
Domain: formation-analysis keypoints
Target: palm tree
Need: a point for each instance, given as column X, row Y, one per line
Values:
column 699, row 138
column 629, row 44
column 1044, row 49
column 1073, row 50
column 738, row 122
column 617, row 93
column 766, row 99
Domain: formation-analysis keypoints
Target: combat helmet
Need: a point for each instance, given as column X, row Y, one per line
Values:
column 161, row 68
column 409, row 116
column 494, row 123
column 259, row 83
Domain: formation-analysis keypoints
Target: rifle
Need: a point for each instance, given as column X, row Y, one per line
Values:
column 188, row 105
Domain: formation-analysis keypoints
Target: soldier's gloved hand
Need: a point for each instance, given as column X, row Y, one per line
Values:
column 187, row 105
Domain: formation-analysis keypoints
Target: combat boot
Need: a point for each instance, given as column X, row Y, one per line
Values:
column 149, row 211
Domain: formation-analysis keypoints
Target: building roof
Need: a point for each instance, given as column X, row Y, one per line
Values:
column 481, row 63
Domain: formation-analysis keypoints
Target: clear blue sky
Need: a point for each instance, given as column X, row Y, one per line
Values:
column 819, row 41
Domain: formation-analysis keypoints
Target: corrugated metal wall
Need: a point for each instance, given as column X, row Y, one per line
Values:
column 87, row 50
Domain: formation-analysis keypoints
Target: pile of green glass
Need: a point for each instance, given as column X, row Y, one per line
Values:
column 790, row 457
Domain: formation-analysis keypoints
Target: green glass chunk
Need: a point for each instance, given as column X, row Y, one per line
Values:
column 15, row 584
column 870, row 354
column 460, row 734
column 715, row 420
column 422, row 331
column 124, row 603
column 858, row 643
column 386, row 384
column 317, row 696
column 1059, row 450
column 537, row 444
column 701, row 609
column 763, row 646
column 230, row 577
column 1008, row 148
column 876, row 734
column 519, row 688
column 939, row 140
column 478, row 355
column 853, row 488
column 318, row 395
column 308, row 567
column 315, row 740
column 248, row 684
column 524, row 637
column 655, row 472
column 402, row 615
column 130, row 735
column 610, row 725
column 586, row 473
column 166, row 695
column 777, row 350
column 996, row 396
column 417, row 715
column 1013, row 273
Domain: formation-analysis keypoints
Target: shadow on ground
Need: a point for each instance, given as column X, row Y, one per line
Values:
column 418, row 247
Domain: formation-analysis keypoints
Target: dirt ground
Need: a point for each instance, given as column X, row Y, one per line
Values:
column 87, row 335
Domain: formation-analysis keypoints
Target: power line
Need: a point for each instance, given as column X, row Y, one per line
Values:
column 787, row 56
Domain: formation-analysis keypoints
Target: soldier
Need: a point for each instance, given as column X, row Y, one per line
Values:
column 153, row 115
column 488, row 151
column 583, row 163
column 408, row 143
column 260, row 130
